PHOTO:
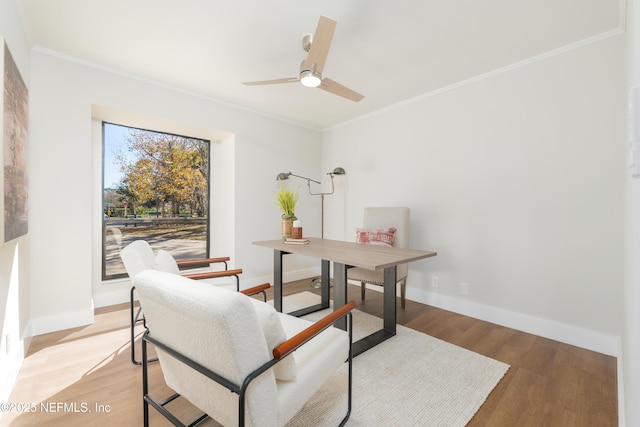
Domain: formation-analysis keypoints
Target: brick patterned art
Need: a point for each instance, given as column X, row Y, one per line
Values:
column 15, row 138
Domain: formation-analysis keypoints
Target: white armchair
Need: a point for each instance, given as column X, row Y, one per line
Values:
column 376, row 220
column 234, row 357
column 138, row 256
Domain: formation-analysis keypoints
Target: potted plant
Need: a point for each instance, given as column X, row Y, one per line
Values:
column 286, row 200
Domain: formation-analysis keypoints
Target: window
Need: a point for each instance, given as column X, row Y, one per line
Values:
column 155, row 188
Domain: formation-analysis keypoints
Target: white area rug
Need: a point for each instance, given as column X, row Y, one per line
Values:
column 411, row 379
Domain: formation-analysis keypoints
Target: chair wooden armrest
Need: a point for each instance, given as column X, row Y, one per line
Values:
column 193, row 262
column 305, row 335
column 256, row 289
column 213, row 274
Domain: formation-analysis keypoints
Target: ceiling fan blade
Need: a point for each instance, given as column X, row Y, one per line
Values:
column 320, row 44
column 272, row 82
column 337, row 89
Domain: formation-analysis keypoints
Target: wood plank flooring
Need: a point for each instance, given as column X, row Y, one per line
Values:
column 84, row 376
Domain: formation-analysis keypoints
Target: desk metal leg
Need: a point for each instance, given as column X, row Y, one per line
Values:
column 389, row 303
column 277, row 291
column 277, row 280
column 340, row 298
column 340, row 291
column 326, row 284
column 389, row 316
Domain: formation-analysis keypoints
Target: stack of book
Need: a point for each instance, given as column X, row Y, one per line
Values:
column 293, row 241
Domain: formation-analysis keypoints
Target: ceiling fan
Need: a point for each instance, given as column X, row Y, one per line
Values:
column 317, row 46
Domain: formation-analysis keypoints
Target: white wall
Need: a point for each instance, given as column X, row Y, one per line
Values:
column 15, row 327
column 630, row 380
column 516, row 180
column 66, row 270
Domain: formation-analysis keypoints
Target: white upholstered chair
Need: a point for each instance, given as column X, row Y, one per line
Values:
column 234, row 357
column 378, row 219
column 138, row 256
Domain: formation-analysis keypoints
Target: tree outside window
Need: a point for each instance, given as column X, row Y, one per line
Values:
column 156, row 188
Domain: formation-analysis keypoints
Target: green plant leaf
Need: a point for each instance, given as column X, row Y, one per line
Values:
column 286, row 200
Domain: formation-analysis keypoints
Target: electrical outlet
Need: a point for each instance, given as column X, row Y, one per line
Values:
column 434, row 281
column 464, row 288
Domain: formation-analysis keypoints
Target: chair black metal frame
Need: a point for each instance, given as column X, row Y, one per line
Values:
column 241, row 389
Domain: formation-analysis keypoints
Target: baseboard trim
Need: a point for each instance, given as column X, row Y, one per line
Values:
column 59, row 322
column 113, row 297
column 11, row 364
column 568, row 334
column 9, row 370
column 622, row 420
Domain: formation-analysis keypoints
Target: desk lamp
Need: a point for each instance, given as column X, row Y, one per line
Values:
column 337, row 171
column 316, row 283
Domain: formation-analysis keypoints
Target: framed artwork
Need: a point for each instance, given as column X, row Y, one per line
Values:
column 14, row 126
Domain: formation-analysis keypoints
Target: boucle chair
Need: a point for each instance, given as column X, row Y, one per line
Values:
column 383, row 226
column 234, row 357
column 139, row 256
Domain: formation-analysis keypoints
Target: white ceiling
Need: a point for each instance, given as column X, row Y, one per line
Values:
column 389, row 51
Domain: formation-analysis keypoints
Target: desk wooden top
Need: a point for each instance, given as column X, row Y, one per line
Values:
column 371, row 257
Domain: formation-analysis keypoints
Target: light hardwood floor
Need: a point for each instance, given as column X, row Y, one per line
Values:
column 84, row 376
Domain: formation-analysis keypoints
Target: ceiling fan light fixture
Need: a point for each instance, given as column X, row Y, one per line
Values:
column 312, row 67
column 310, row 79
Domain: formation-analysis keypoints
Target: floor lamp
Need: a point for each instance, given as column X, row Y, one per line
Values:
column 337, row 171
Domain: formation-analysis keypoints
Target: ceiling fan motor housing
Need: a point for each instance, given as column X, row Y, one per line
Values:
column 309, row 77
column 306, row 42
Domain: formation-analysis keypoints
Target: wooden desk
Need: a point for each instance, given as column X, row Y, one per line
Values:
column 345, row 255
